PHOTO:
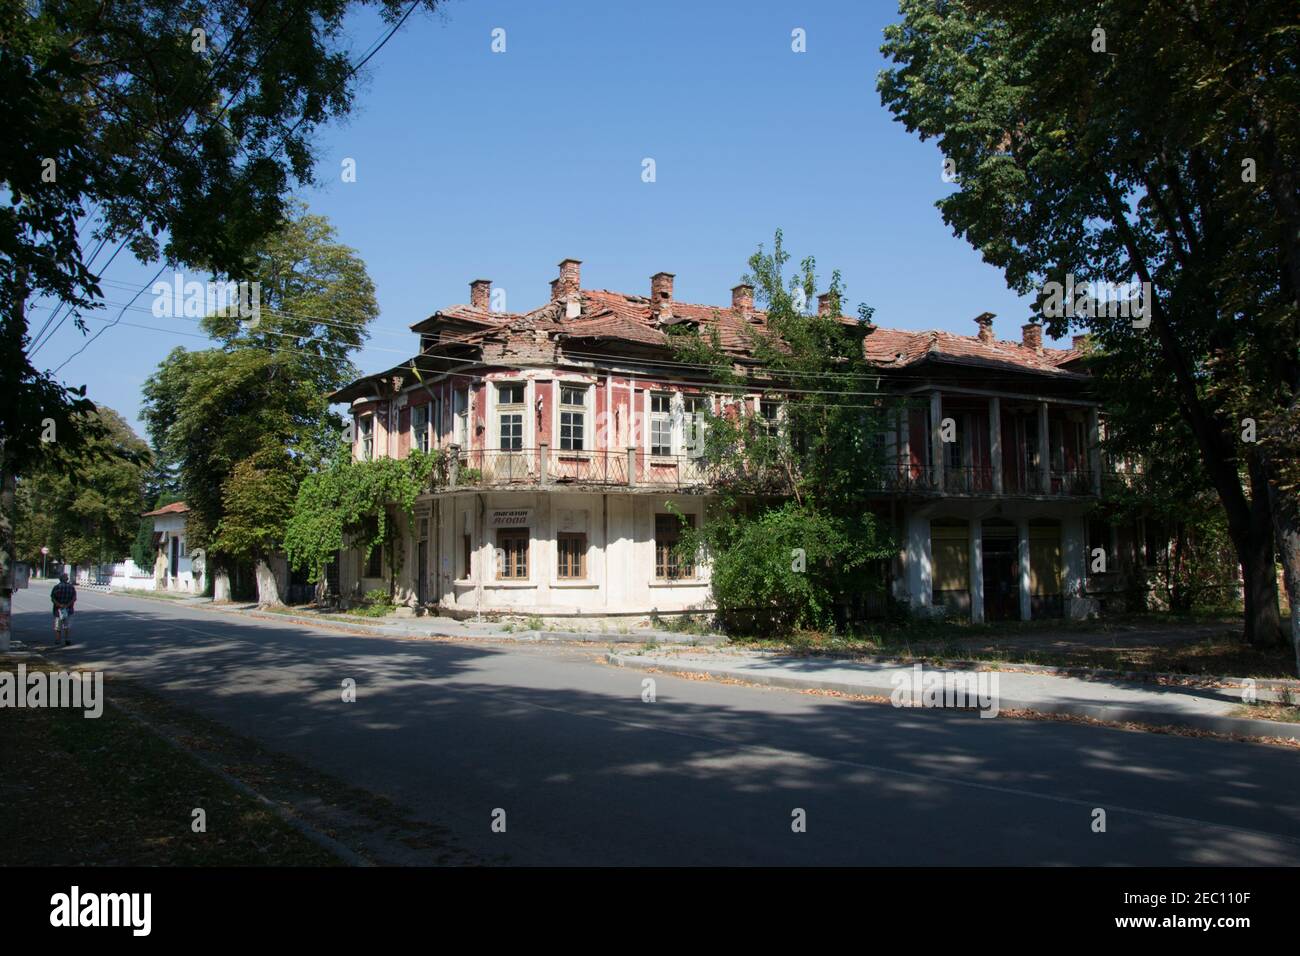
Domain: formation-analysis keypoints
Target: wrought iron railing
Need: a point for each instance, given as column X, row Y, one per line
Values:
column 911, row 477
column 639, row 468
column 561, row 466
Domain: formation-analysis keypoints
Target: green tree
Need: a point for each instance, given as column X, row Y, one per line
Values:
column 1125, row 140
column 227, row 416
column 347, row 504
column 86, row 512
column 175, row 131
column 791, row 530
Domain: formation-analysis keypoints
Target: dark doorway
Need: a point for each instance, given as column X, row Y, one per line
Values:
column 1001, row 552
column 176, row 555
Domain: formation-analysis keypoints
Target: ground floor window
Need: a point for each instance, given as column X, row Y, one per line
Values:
column 512, row 554
column 571, row 552
column 466, row 554
column 668, row 532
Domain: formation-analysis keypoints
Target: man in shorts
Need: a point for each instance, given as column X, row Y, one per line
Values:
column 63, row 594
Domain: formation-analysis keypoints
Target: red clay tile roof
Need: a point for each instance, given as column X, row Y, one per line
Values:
column 896, row 348
column 616, row 317
column 175, row 508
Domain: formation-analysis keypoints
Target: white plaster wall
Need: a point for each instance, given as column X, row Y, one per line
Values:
column 620, row 554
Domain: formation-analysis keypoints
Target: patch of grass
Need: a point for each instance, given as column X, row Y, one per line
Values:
column 376, row 603
column 106, row 792
column 534, row 623
column 682, row 623
column 1109, row 644
column 1269, row 710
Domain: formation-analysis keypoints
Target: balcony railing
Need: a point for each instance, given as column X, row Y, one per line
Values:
column 537, row 466
column 910, row 477
column 639, row 469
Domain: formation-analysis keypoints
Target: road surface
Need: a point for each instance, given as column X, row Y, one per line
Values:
column 588, row 772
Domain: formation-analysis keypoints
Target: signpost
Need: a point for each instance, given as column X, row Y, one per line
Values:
column 44, row 552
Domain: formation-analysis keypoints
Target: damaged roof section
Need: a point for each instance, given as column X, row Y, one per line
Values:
column 585, row 324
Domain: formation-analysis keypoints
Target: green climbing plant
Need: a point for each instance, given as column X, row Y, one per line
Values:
column 348, row 504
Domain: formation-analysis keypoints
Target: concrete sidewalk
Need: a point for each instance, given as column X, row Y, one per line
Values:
column 434, row 626
column 1101, row 698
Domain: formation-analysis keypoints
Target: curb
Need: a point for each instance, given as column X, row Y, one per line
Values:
column 1114, row 713
column 324, row 841
column 1139, row 677
column 388, row 630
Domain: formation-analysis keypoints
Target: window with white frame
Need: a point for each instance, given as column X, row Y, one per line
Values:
column 366, row 437
column 691, row 434
column 770, row 413
column 510, row 416
column 420, row 427
column 573, row 417
column 661, row 423
column 460, row 417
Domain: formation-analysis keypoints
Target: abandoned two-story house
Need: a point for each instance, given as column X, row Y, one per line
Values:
column 566, row 430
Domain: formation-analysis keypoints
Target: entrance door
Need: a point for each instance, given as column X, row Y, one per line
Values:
column 176, row 555
column 1001, row 551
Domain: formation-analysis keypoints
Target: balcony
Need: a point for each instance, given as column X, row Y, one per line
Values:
column 493, row 468
column 912, row 477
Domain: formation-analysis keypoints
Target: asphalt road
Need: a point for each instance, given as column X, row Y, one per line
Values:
column 589, row 773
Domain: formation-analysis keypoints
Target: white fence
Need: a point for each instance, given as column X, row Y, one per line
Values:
column 124, row 575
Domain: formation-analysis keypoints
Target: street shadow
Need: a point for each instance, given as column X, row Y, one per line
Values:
column 589, row 770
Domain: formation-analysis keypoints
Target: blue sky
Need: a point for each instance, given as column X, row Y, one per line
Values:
column 498, row 165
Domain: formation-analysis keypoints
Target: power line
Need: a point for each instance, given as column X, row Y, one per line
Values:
column 373, row 50
column 211, row 76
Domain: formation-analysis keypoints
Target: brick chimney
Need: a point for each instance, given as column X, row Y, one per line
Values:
column 570, row 279
column 985, row 321
column 1033, row 336
column 480, row 293
column 827, row 303
column 661, row 287
column 1078, row 341
column 742, row 298
column 661, row 294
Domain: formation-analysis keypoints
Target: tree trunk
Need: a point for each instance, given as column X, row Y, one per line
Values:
column 268, row 588
column 220, row 585
column 1250, row 524
column 1286, row 518
column 1263, row 622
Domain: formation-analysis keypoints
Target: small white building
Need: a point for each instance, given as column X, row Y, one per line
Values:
column 175, row 567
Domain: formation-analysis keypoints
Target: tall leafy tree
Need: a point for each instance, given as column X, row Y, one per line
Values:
column 244, row 420
column 791, row 529
column 1124, row 140
column 86, row 511
column 176, row 130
